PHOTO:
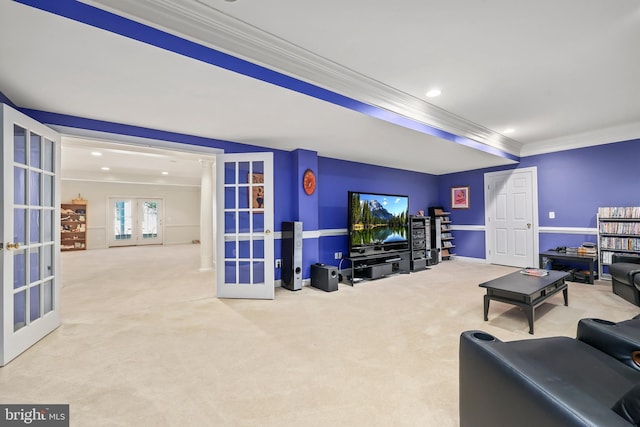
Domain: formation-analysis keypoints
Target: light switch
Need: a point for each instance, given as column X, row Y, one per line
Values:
column 552, row 215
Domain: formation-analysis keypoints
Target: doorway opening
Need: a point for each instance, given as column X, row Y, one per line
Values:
column 139, row 191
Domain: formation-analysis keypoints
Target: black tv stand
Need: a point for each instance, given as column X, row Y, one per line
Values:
column 377, row 265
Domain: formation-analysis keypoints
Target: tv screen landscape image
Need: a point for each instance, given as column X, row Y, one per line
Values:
column 377, row 221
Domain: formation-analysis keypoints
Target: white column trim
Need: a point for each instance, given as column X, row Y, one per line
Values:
column 206, row 216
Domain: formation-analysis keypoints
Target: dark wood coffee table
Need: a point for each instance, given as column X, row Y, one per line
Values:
column 525, row 291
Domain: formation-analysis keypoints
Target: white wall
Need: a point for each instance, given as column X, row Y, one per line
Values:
column 181, row 208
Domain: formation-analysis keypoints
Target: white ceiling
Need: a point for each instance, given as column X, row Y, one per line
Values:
column 98, row 160
column 562, row 74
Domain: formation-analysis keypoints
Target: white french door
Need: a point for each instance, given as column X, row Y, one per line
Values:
column 244, row 255
column 30, row 241
column 511, row 210
column 135, row 221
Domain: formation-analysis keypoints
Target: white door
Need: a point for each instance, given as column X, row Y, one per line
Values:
column 512, row 217
column 30, row 233
column 244, row 256
column 135, row 221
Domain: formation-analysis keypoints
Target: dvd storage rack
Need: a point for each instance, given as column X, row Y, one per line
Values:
column 441, row 236
column 618, row 233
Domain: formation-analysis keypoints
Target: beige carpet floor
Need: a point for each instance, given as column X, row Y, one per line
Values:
column 145, row 342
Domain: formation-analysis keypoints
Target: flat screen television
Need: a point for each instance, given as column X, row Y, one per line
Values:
column 377, row 222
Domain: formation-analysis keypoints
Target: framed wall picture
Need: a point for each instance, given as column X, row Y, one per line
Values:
column 460, row 197
column 257, row 192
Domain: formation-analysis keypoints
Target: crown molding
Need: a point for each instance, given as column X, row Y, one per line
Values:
column 200, row 22
column 608, row 135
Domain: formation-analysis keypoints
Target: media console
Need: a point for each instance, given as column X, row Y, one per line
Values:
column 375, row 266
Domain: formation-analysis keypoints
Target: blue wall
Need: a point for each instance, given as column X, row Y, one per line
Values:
column 340, row 176
column 337, row 177
column 325, row 210
column 571, row 183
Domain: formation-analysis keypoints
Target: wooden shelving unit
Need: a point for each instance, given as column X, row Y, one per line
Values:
column 73, row 227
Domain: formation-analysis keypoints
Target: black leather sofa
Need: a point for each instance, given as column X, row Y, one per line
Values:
column 592, row 380
column 625, row 279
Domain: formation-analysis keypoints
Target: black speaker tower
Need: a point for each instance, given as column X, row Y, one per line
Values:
column 292, row 255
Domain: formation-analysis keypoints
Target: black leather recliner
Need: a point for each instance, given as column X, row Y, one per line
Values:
column 619, row 340
column 624, row 271
column 555, row 382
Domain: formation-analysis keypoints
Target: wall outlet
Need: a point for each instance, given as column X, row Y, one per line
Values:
column 337, row 255
column 552, row 215
column 278, row 263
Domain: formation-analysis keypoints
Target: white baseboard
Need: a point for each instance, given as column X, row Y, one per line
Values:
column 469, row 259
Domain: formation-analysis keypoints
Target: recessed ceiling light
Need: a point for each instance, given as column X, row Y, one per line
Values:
column 165, row 173
column 104, row 168
column 96, row 153
column 433, row 93
column 508, row 131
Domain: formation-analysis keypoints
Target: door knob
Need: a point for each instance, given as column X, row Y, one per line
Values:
column 13, row 245
column 529, row 225
column 267, row 232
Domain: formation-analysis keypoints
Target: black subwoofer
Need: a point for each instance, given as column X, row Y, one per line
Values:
column 324, row 277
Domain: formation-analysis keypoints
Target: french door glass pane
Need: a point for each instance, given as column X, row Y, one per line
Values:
column 229, row 249
column 34, row 226
column 244, row 249
column 34, row 303
column 20, row 225
column 19, row 310
column 244, row 272
column 258, row 223
column 258, row 167
column 47, row 225
column 229, row 173
column 34, row 187
column 243, row 222
column 19, row 269
column 258, row 272
column 258, row 249
column 48, row 155
column 47, row 190
column 243, row 172
column 19, row 186
column 48, row 296
column 19, row 145
column 34, row 265
column 244, row 197
column 47, row 254
column 35, row 148
column 230, row 272
column 230, row 197
column 229, row 222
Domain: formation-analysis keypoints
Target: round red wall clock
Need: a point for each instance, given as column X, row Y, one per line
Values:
column 309, row 182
